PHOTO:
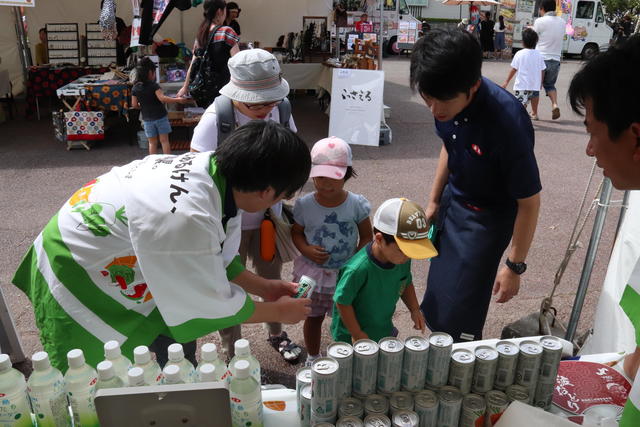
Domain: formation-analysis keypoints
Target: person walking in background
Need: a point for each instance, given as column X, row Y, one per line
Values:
column 486, row 34
column 147, row 95
column 222, row 43
column 529, row 66
column 233, row 13
column 551, row 30
column 499, row 42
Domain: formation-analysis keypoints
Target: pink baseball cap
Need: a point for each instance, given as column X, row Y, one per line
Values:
column 330, row 158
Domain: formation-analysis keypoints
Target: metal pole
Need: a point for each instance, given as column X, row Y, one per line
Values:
column 598, row 225
column 25, row 52
column 623, row 211
column 380, row 38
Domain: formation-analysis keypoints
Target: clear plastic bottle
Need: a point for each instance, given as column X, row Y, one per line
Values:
column 121, row 364
column 136, row 377
column 80, row 384
column 207, row 373
column 243, row 352
column 209, row 354
column 172, row 375
column 107, row 377
column 152, row 371
column 14, row 405
column 46, row 391
column 246, row 397
column 176, row 357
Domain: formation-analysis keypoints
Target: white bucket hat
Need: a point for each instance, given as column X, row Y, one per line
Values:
column 255, row 78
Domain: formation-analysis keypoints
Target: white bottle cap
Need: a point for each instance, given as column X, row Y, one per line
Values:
column 40, row 361
column 207, row 372
column 5, row 362
column 209, row 352
column 176, row 353
column 75, row 358
column 172, row 374
column 112, row 350
column 242, row 369
column 105, row 370
column 242, row 347
column 136, row 376
column 141, row 355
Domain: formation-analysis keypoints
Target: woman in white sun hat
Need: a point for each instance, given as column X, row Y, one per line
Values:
column 256, row 91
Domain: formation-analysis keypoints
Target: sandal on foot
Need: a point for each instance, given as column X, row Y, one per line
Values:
column 289, row 350
column 555, row 113
column 534, row 117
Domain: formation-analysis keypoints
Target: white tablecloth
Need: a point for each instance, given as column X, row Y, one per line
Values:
column 302, row 76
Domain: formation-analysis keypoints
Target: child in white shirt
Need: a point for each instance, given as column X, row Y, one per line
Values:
column 529, row 65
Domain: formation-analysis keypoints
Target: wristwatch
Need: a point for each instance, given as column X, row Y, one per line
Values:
column 517, row 267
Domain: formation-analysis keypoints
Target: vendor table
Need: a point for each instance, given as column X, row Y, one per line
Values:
column 308, row 76
column 44, row 81
column 106, row 95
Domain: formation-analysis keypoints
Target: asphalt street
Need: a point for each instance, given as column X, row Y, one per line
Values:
column 37, row 175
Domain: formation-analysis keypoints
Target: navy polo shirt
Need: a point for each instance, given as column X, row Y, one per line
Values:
column 490, row 146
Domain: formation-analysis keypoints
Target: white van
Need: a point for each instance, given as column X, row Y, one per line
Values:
column 591, row 34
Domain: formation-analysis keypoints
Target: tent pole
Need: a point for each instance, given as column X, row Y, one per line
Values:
column 25, row 52
column 380, row 39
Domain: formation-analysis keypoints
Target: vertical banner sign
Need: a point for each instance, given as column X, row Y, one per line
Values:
column 136, row 24
column 20, row 3
column 356, row 105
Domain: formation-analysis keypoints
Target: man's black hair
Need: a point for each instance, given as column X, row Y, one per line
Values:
column 388, row 238
column 445, row 63
column 529, row 38
column 264, row 154
column 548, row 5
column 610, row 81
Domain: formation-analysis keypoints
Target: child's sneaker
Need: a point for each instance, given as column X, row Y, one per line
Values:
column 289, row 350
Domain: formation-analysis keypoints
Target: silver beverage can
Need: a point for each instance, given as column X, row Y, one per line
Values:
column 528, row 368
column 343, row 353
column 450, row 406
column 349, row 421
column 507, row 363
column 365, row 367
column 425, row 404
column 440, row 345
column 323, row 424
column 544, row 394
column 517, row 392
column 376, row 404
column 318, row 421
column 473, row 408
column 414, row 363
column 377, row 420
column 497, row 403
column 324, row 381
column 389, row 365
column 401, row 401
column 303, row 377
column 304, row 406
column 405, row 418
column 551, row 356
column 305, row 287
column 485, row 370
column 461, row 369
column 351, row 407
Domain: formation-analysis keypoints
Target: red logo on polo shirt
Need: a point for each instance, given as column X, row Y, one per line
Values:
column 477, row 149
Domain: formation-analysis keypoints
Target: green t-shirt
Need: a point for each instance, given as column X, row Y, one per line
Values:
column 373, row 289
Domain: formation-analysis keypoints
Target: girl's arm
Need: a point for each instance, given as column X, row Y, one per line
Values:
column 365, row 232
column 315, row 253
column 512, row 72
column 235, row 49
column 169, row 100
column 185, row 87
column 134, row 102
column 411, row 301
column 348, row 316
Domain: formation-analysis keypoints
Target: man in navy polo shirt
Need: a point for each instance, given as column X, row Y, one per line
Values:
column 486, row 192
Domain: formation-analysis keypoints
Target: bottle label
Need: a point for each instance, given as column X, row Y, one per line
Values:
column 84, row 410
column 51, row 409
column 14, row 410
column 246, row 409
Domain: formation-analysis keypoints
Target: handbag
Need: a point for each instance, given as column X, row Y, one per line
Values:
column 284, row 243
column 202, row 84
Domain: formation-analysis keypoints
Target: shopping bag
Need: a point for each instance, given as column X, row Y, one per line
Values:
column 286, row 249
column 84, row 125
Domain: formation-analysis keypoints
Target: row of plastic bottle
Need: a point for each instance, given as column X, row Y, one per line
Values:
column 48, row 393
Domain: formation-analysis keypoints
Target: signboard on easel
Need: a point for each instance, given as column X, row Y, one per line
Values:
column 356, row 105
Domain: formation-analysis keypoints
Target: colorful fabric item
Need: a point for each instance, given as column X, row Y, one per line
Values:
column 43, row 81
column 109, row 96
column 84, row 125
column 630, row 303
column 138, row 252
column 372, row 290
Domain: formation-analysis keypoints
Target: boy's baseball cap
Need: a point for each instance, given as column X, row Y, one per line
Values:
column 406, row 221
column 330, row 158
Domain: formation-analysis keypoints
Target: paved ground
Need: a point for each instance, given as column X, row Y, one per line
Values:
column 37, row 175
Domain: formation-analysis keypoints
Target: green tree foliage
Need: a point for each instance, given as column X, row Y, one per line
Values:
column 616, row 9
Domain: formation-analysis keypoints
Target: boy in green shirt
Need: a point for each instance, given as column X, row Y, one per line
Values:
column 373, row 280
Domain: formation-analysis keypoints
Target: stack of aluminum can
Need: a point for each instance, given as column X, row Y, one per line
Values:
column 424, row 382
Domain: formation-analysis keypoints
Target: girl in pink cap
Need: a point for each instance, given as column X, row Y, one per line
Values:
column 331, row 224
